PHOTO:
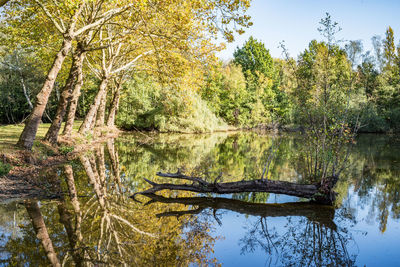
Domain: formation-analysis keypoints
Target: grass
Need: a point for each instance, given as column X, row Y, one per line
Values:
column 9, row 135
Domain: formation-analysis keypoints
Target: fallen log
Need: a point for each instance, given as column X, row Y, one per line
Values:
column 320, row 192
column 317, row 213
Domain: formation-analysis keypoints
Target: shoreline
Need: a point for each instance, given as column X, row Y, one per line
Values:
column 23, row 180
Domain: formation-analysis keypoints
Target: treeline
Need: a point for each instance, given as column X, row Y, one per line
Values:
column 168, row 78
column 255, row 89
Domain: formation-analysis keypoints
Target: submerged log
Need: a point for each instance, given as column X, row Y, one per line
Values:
column 320, row 193
column 318, row 213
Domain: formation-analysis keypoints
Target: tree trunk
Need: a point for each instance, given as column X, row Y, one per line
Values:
column 94, row 120
column 114, row 107
column 76, row 68
column 101, row 113
column 29, row 133
column 34, row 213
column 69, row 176
column 24, row 87
column 90, row 116
column 73, row 104
column 322, row 194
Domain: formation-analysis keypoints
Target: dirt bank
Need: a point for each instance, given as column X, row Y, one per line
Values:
column 28, row 179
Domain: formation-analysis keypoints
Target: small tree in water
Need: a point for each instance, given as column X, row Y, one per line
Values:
column 324, row 78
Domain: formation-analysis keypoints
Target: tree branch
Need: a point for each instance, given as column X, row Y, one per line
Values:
column 106, row 16
column 48, row 14
column 131, row 63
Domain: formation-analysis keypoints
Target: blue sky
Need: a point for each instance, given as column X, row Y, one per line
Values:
column 296, row 22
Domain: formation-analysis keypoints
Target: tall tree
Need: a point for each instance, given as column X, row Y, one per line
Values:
column 389, row 48
column 254, row 57
column 377, row 46
column 324, row 83
column 269, row 100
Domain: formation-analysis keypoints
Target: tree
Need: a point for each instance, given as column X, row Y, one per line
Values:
column 269, row 100
column 72, row 83
column 172, row 46
column 389, row 48
column 107, row 64
column 254, row 57
column 387, row 91
column 225, row 92
column 29, row 133
column 354, row 50
column 118, row 83
column 368, row 75
column 322, row 93
column 379, row 55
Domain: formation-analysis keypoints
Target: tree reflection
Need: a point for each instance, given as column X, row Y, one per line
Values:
column 96, row 224
column 33, row 210
column 300, row 242
column 377, row 183
column 310, row 236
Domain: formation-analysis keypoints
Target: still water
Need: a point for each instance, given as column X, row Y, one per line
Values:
column 95, row 223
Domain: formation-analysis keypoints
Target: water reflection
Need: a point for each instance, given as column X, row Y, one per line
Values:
column 300, row 242
column 95, row 223
column 322, row 214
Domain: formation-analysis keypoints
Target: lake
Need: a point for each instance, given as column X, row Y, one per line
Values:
column 96, row 223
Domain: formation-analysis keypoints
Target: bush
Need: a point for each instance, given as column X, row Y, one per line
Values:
column 147, row 105
column 5, row 168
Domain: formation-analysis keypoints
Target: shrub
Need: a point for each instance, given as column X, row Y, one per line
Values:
column 147, row 105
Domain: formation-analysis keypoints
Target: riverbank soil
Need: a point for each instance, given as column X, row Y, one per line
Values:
column 28, row 177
